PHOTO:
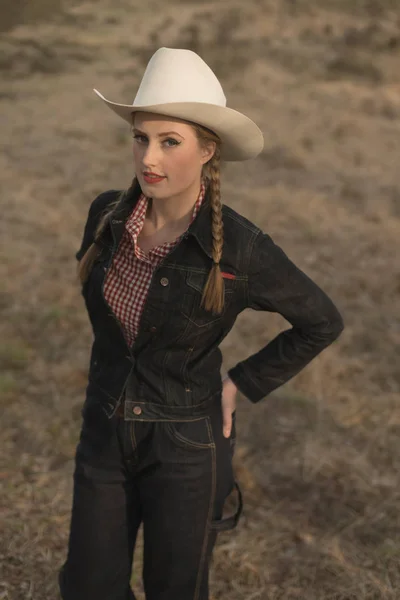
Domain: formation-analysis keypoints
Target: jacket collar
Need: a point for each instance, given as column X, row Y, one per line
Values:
column 199, row 229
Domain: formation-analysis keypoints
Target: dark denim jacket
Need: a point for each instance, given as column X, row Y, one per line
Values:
column 173, row 368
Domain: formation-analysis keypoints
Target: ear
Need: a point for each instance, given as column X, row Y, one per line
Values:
column 207, row 151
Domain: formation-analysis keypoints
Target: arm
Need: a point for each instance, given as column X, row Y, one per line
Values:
column 275, row 284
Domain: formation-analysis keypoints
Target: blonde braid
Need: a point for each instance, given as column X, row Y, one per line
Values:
column 86, row 263
column 213, row 293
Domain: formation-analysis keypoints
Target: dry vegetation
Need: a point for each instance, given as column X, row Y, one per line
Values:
column 319, row 459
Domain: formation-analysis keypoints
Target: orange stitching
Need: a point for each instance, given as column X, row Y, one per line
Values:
column 210, row 511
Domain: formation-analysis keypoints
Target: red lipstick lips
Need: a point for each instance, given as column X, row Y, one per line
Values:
column 152, row 177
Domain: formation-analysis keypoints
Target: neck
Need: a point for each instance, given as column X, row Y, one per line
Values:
column 173, row 213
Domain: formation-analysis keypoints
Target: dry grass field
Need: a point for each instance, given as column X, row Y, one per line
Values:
column 319, row 459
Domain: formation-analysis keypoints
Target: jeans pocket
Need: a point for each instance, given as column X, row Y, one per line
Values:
column 194, row 434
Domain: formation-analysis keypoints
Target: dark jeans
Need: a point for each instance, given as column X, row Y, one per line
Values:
column 172, row 476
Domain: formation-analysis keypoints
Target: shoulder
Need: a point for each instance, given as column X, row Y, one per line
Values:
column 256, row 243
column 97, row 209
column 101, row 203
column 236, row 220
column 240, row 237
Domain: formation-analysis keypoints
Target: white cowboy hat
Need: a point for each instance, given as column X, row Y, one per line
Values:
column 178, row 83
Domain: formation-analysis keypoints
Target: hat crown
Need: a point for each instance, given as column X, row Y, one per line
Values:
column 178, row 75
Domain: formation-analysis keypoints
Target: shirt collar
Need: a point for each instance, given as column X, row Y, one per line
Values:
column 200, row 227
column 135, row 221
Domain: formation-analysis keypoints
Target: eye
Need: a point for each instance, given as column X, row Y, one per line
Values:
column 171, row 142
column 139, row 138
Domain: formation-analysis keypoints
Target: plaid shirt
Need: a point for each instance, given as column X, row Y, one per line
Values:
column 128, row 278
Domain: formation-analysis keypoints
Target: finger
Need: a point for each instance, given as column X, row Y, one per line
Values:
column 227, row 424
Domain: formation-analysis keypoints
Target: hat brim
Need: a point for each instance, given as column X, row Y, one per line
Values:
column 241, row 138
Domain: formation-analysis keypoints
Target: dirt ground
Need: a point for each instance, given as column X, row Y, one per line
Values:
column 318, row 459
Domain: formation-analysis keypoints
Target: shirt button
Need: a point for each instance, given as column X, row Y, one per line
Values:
column 137, row 410
column 164, row 281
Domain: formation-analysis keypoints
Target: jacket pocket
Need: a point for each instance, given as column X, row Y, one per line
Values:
column 190, row 435
column 191, row 302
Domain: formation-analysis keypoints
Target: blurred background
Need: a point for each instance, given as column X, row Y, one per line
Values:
column 318, row 459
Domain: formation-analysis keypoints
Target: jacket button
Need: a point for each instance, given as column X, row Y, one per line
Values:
column 164, row 281
column 137, row 410
column 153, row 329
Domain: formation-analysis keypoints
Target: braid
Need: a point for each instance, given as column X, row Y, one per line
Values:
column 86, row 263
column 216, row 207
column 213, row 294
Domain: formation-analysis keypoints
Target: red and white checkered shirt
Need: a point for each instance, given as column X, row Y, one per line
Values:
column 128, row 278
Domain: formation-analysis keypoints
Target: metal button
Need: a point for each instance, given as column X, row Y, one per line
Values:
column 153, row 329
column 164, row 281
column 137, row 410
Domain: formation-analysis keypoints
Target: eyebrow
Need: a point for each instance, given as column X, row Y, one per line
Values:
column 160, row 134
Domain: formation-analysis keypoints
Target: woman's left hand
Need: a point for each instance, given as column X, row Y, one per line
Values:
column 229, row 391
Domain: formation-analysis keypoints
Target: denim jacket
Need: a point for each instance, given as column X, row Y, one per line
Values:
column 173, row 368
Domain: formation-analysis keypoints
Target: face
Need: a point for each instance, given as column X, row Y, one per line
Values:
column 168, row 148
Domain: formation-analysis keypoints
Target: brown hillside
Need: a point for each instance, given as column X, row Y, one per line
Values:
column 319, row 459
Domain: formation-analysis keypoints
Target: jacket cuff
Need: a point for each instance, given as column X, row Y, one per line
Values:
column 244, row 384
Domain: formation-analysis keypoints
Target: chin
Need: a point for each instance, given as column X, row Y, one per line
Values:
column 151, row 192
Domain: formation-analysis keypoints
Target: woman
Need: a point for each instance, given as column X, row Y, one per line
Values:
column 166, row 269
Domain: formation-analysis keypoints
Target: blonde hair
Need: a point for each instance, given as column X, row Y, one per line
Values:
column 213, row 294
column 86, row 263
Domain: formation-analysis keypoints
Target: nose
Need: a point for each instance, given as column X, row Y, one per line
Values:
column 150, row 155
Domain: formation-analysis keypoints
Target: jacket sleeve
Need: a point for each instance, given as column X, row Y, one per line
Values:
column 275, row 284
column 96, row 210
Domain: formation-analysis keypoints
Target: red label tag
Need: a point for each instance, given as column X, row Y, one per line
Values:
column 228, row 275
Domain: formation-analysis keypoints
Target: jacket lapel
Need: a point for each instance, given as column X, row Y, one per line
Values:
column 200, row 228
